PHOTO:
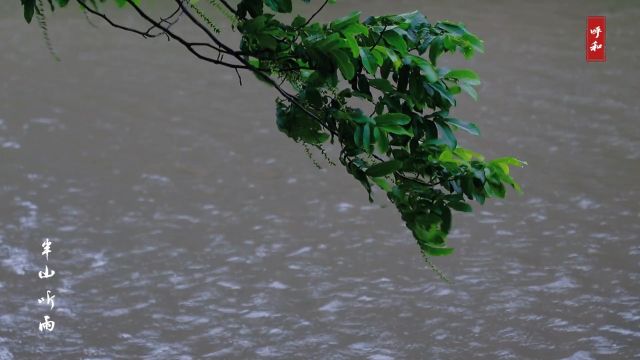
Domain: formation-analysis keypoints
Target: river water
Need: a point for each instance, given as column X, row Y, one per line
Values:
column 185, row 226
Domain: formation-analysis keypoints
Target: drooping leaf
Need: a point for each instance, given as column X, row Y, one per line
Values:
column 510, row 161
column 344, row 64
column 382, row 140
column 436, row 49
column 448, row 137
column 366, row 137
column 469, row 90
column 299, row 126
column 398, row 130
column 390, row 119
column 382, row 84
column 426, row 67
column 382, row 183
column 471, row 128
column 29, row 9
column 395, row 41
column 446, row 219
column 384, row 168
column 460, row 206
column 469, row 76
column 353, row 46
column 437, row 251
column 368, row 61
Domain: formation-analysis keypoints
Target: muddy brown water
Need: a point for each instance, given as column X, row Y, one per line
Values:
column 185, row 226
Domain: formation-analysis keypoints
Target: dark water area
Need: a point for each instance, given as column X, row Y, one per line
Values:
column 185, row 226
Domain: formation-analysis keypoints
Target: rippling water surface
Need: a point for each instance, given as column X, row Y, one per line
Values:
column 185, row 226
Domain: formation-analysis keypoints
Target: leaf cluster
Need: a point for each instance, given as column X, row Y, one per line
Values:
column 375, row 88
column 387, row 65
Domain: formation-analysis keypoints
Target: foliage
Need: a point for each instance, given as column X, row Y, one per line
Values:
column 374, row 87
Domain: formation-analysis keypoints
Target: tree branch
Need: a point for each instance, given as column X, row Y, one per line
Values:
column 182, row 41
column 228, row 50
column 144, row 34
column 205, row 30
column 237, row 55
column 168, row 21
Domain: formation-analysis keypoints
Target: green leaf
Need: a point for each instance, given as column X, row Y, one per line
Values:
column 253, row 7
column 442, row 92
column 398, row 130
column 281, row 6
column 429, row 72
column 298, row 125
column 495, row 190
column 468, row 75
column 368, row 61
column 393, row 57
column 355, row 29
column 344, row 22
column 469, row 90
column 467, row 155
column 29, row 9
column 298, row 22
column 379, row 53
column 366, row 138
column 353, row 45
column 382, row 183
column 384, row 168
column 357, row 136
column 382, row 140
column 447, row 135
column 382, row 84
column 344, row 64
column 449, row 42
column 359, row 118
column 437, row 251
column 446, row 219
column 510, row 161
column 267, row 41
column 424, row 236
column 426, row 67
column 474, row 41
column 436, row 48
column 460, row 206
column 471, row 128
column 395, row 41
column 452, row 27
column 392, row 119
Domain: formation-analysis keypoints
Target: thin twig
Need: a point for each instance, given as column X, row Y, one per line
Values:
column 316, row 13
column 103, row 16
column 239, row 77
column 203, row 28
column 182, row 41
column 168, row 21
column 379, row 38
